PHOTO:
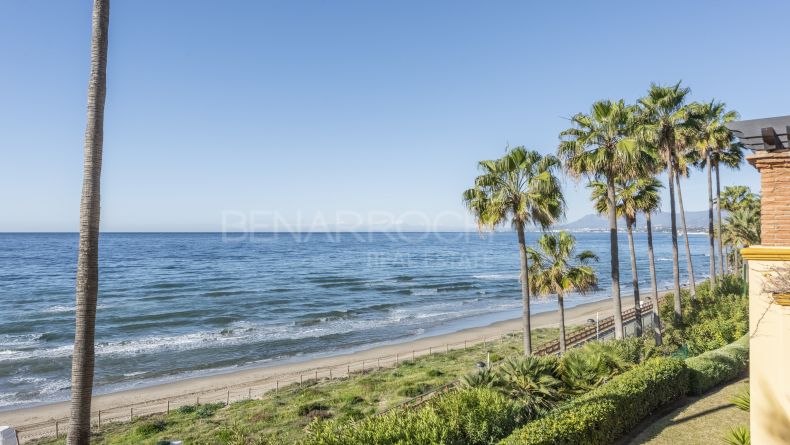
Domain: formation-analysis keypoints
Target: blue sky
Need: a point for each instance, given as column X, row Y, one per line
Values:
column 323, row 110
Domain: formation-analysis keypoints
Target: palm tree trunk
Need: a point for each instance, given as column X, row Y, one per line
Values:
column 654, row 281
column 635, row 281
column 718, row 219
column 522, row 249
column 675, row 264
column 690, row 264
column 615, row 257
column 87, row 290
column 561, row 304
column 711, row 234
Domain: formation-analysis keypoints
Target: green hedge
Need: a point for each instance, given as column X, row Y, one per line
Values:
column 718, row 366
column 474, row 416
column 604, row 414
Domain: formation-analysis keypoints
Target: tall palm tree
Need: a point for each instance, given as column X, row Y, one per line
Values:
column 713, row 134
column 553, row 272
column 630, row 197
column 730, row 155
column 601, row 146
column 681, row 169
column 521, row 187
column 664, row 119
column 82, row 363
column 647, row 202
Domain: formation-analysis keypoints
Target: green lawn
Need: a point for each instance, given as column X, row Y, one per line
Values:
column 703, row 420
column 281, row 417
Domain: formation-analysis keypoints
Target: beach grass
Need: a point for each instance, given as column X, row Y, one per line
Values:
column 282, row 416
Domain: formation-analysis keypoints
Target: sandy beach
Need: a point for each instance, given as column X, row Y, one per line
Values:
column 255, row 381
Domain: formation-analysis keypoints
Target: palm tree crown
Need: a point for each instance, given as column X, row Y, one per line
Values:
column 521, row 187
column 557, row 269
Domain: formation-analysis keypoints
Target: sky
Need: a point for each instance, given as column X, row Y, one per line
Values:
column 277, row 115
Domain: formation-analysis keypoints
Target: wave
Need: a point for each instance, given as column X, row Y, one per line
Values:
column 496, row 276
column 246, row 333
column 59, row 309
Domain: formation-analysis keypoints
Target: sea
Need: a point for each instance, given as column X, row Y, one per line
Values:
column 176, row 305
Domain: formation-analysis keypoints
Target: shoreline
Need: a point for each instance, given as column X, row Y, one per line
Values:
column 262, row 375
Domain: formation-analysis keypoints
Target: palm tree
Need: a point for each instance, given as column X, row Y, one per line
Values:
column 649, row 201
column 742, row 227
column 681, row 169
column 82, row 363
column 601, row 146
column 630, row 196
column 730, row 155
column 713, row 133
column 553, row 273
column 520, row 187
column 663, row 120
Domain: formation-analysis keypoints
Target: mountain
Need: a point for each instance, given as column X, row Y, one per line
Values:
column 696, row 221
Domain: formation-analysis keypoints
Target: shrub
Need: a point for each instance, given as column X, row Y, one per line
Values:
column 604, row 414
column 534, row 381
column 710, row 321
column 414, row 390
column 718, row 366
column 149, row 428
column 207, row 410
column 434, row 373
column 186, row 409
column 311, row 407
column 475, row 416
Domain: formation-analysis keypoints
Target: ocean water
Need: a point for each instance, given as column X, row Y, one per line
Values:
column 184, row 304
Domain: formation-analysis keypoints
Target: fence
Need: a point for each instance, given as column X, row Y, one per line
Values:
column 257, row 389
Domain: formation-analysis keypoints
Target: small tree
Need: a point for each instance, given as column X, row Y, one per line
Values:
column 557, row 270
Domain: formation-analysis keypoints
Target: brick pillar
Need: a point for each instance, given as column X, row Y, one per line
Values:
column 774, row 170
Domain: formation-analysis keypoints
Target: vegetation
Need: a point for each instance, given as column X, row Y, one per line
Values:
column 524, row 388
column 520, row 187
column 554, row 274
column 718, row 317
column 604, row 414
column 740, row 435
column 715, row 367
column 282, row 417
column 742, row 227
